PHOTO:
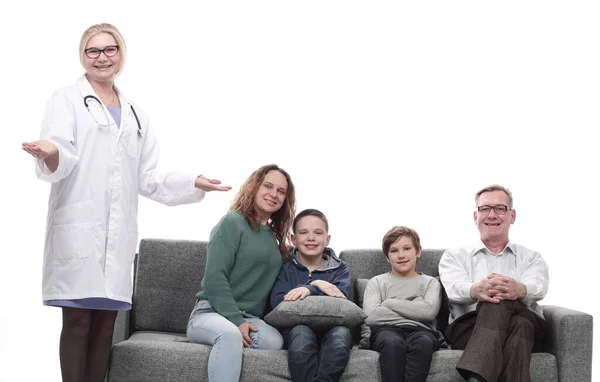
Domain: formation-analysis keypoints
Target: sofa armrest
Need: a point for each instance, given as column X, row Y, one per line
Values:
column 569, row 336
column 122, row 327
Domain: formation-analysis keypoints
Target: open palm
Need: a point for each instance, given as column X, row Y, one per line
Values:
column 40, row 149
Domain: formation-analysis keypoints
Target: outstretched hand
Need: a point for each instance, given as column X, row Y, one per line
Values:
column 40, row 149
column 206, row 184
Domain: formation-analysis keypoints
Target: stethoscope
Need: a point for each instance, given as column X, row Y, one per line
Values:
column 106, row 118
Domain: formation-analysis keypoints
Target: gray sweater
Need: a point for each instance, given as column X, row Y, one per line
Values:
column 392, row 300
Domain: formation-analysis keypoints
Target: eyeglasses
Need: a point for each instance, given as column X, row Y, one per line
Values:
column 109, row 51
column 499, row 209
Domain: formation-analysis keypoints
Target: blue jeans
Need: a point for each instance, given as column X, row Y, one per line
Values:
column 317, row 355
column 208, row 327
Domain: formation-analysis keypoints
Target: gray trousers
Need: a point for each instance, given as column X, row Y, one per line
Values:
column 497, row 340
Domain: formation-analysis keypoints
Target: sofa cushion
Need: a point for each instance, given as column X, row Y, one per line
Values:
column 317, row 312
column 168, row 276
column 443, row 367
column 160, row 356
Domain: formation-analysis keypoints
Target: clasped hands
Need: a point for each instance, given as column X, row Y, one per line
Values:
column 496, row 287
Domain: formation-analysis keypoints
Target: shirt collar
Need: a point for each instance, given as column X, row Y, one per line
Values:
column 482, row 248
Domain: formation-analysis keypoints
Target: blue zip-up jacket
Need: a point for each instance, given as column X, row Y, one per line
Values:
column 294, row 274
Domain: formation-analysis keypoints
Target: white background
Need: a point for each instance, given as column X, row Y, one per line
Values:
column 384, row 113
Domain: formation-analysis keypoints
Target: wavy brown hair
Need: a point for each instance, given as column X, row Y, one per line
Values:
column 281, row 220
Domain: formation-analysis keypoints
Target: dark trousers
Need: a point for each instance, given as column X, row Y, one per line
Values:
column 317, row 355
column 404, row 352
column 497, row 340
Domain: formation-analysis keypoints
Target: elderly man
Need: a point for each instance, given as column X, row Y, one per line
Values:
column 493, row 289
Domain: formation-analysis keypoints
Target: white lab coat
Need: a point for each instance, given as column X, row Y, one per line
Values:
column 91, row 234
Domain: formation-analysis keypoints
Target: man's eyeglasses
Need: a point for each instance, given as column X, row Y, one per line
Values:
column 499, row 209
column 109, row 51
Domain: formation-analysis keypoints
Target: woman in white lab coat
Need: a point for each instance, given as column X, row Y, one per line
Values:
column 98, row 150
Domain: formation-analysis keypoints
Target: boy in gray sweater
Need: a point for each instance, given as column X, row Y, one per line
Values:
column 401, row 306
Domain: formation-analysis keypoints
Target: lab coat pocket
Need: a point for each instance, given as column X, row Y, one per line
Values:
column 74, row 231
column 73, row 241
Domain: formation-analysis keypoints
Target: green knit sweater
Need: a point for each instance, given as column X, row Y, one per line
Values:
column 241, row 267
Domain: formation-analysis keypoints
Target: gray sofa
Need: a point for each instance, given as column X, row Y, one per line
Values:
column 150, row 342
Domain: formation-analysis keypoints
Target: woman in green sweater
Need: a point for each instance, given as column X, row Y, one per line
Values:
column 245, row 252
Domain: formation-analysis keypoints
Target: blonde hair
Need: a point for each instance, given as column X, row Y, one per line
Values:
column 103, row 28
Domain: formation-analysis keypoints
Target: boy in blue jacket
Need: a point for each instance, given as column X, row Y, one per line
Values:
column 315, row 270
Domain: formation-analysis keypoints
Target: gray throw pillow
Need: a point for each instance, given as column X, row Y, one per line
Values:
column 316, row 312
column 365, row 331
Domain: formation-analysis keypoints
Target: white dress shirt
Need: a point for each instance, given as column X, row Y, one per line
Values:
column 461, row 268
